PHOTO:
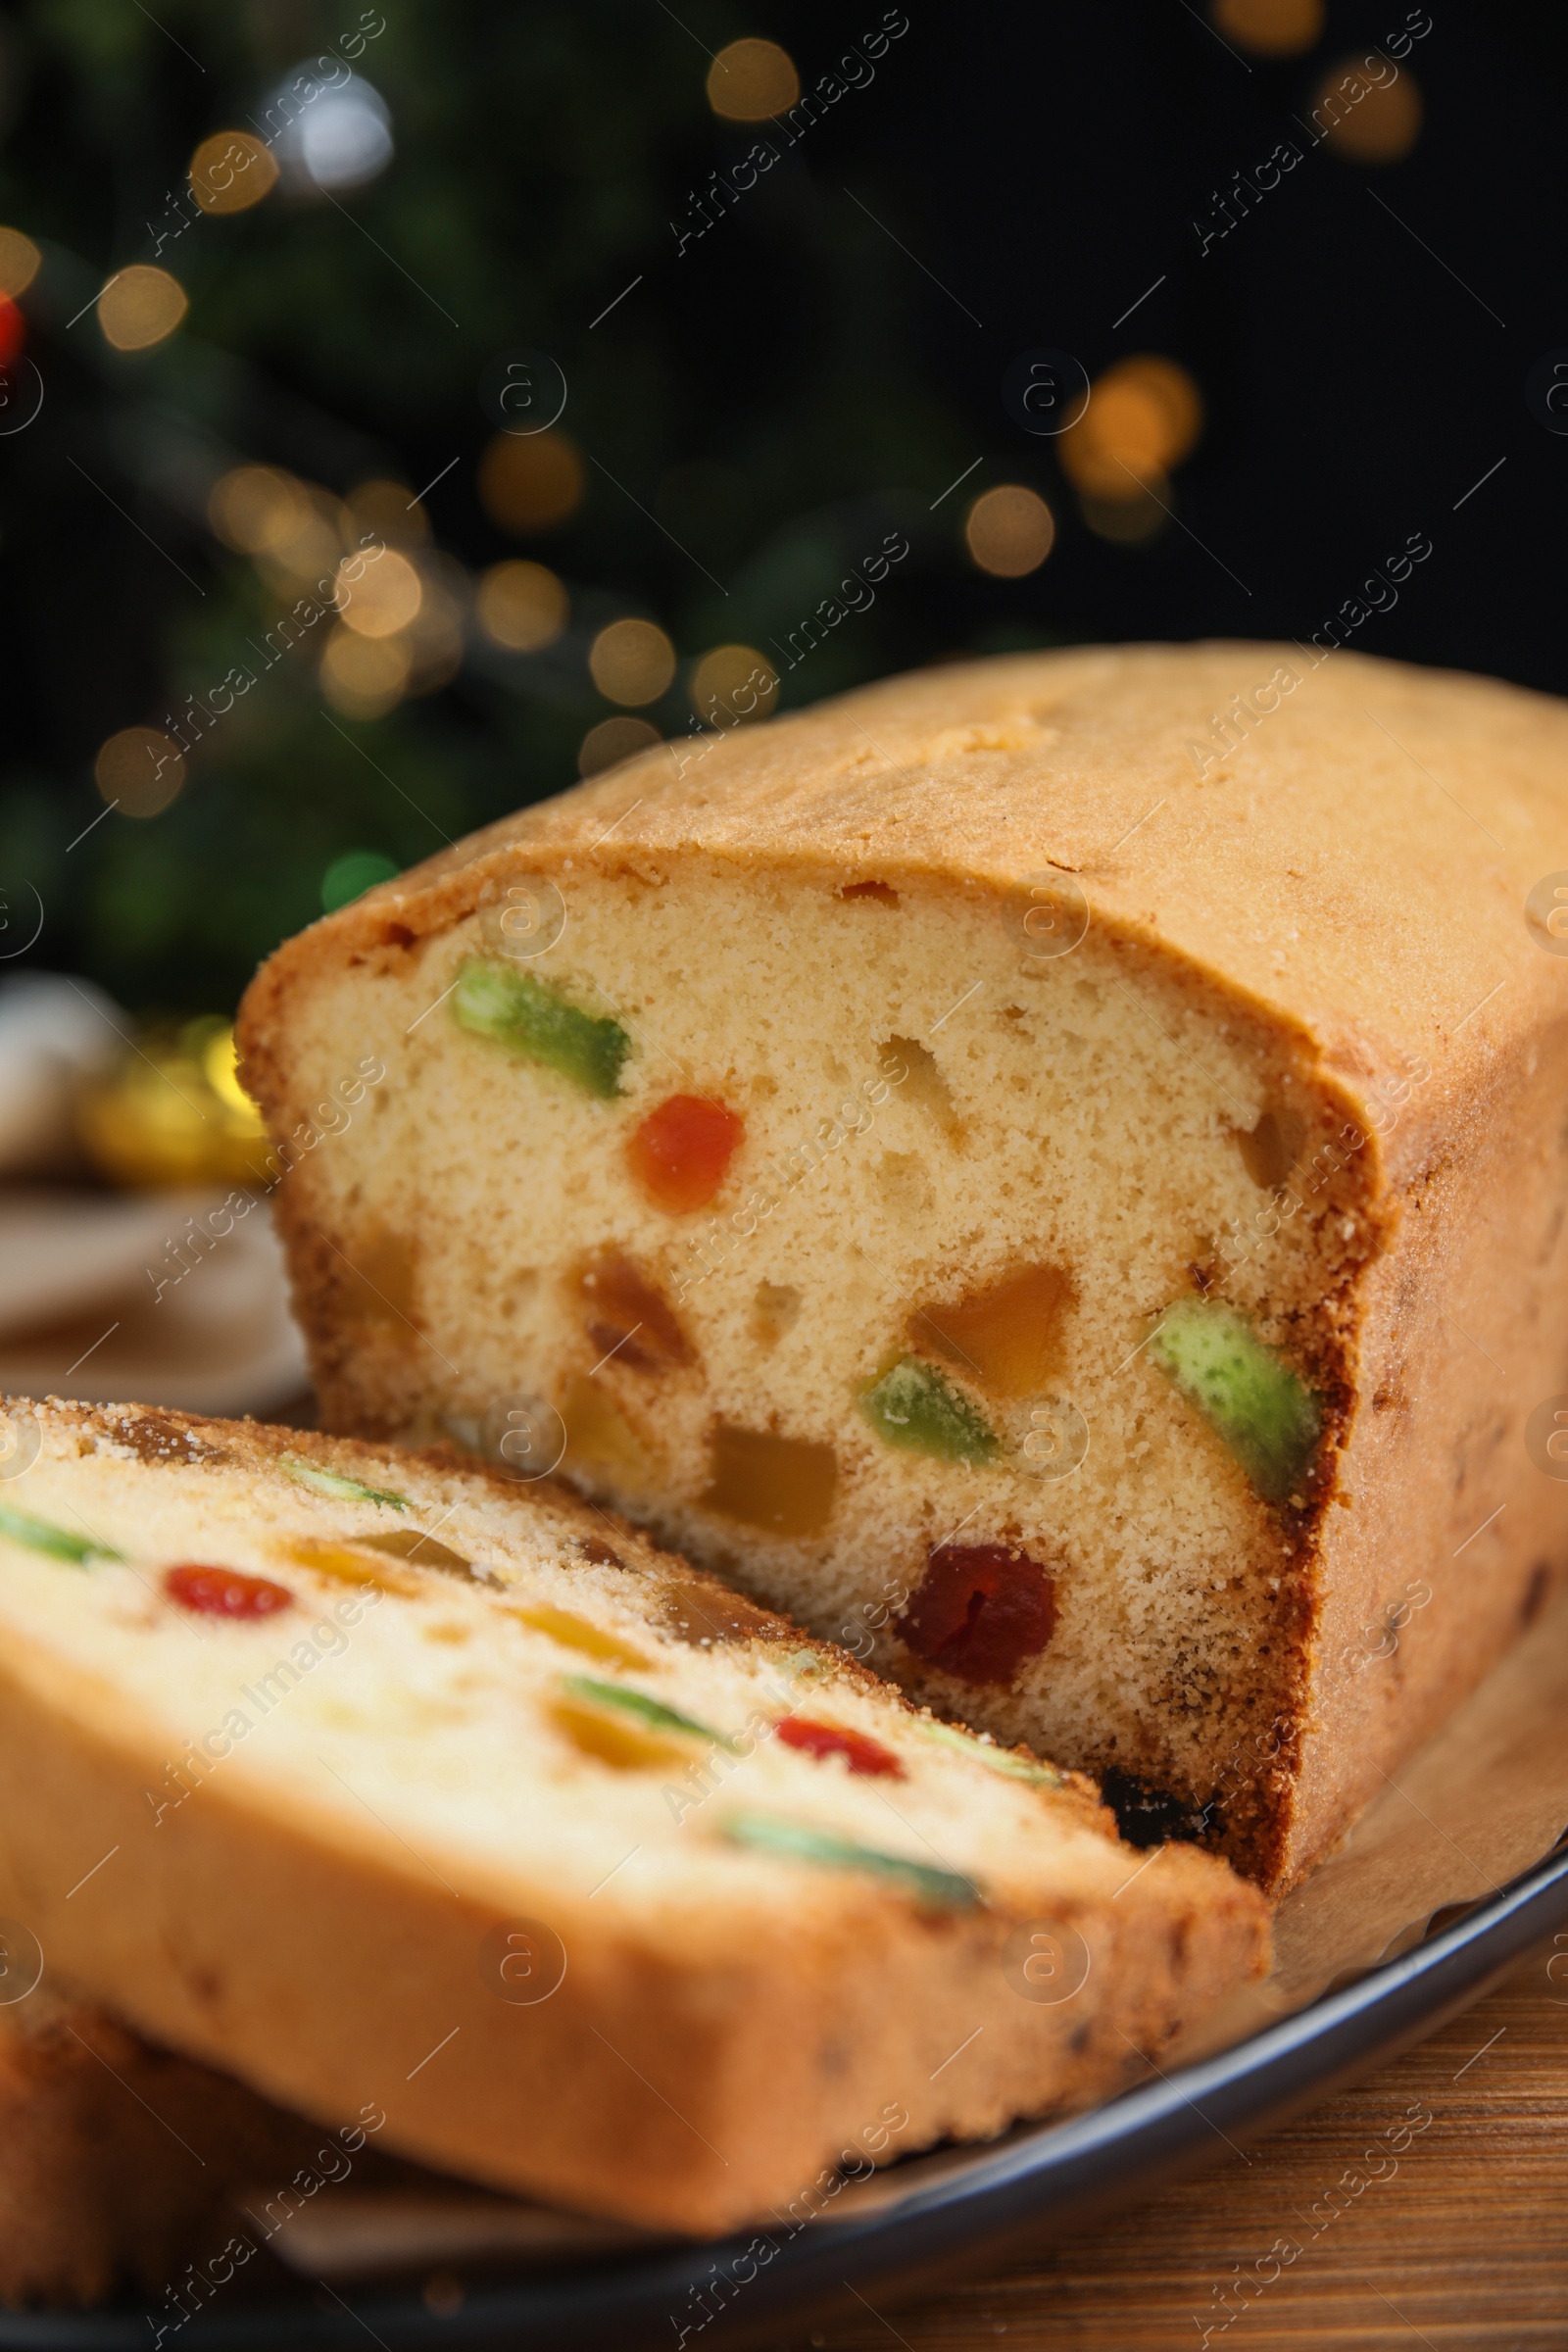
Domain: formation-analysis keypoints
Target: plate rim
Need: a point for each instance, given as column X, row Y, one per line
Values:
column 1053, row 2176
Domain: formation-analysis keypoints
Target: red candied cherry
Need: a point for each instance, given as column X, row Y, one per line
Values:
column 682, row 1152
column 979, row 1611
column 859, row 1749
column 225, row 1591
column 13, row 331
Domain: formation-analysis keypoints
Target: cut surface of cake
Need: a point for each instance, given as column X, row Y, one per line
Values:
column 1052, row 1171
column 376, row 1778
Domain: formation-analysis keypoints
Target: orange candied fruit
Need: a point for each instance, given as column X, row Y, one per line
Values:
column 680, row 1153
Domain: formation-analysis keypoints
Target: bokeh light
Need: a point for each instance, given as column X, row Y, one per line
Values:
column 1269, row 28
column 139, row 770
column 1378, row 126
column 339, row 137
column 612, row 741
column 1144, row 417
column 733, row 685
column 231, row 170
column 530, row 483
column 140, row 306
column 364, row 676
column 385, row 597
column 436, row 633
column 522, row 605
column 633, row 662
column 350, row 876
column 13, row 330
column 19, row 262
column 1009, row 530
column 752, row 79
column 391, row 510
column 255, row 509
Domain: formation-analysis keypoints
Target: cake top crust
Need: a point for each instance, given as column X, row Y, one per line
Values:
column 1345, row 845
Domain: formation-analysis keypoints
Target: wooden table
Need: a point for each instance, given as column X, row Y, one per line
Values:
column 1464, row 2246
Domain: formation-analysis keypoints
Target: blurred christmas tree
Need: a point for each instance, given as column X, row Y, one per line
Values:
column 272, row 265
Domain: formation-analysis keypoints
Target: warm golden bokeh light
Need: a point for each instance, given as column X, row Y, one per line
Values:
column 19, row 262
column 231, row 170
column 1269, row 28
column 752, row 79
column 1142, row 418
column 140, row 771
column 140, row 307
column 532, row 482
column 612, row 741
column 364, row 676
column 1377, row 126
column 732, row 685
column 391, row 510
column 436, row 633
column 522, row 605
column 384, row 598
column 255, row 509
column 1009, row 530
column 633, row 662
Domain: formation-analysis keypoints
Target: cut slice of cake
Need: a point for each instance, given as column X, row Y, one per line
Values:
column 374, row 1778
column 1051, row 1171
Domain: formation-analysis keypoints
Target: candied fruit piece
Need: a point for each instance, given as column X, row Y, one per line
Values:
column 224, row 1592
column 979, row 1611
column 796, row 1841
column 1006, row 1336
column 346, row 1563
column 1270, row 1149
column 617, row 1740
column 1248, row 1396
column 40, row 1535
column 578, row 1632
column 379, row 1275
column 914, row 1406
column 775, row 1309
column 410, row 1544
column 784, row 1485
column 1007, row 1760
column 652, row 1711
column 680, row 1153
column 628, row 1319
column 340, row 1489
column 861, row 1753
column 518, row 1010
column 600, row 1439
column 924, row 1084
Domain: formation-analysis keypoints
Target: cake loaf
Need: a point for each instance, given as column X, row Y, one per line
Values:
column 1053, row 1171
column 396, row 1787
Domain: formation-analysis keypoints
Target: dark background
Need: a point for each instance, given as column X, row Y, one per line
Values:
column 791, row 387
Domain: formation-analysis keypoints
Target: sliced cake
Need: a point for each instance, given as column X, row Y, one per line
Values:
column 374, row 1778
column 1051, row 1171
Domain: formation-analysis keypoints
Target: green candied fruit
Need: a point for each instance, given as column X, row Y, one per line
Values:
column 521, row 1011
column 341, row 1490
column 1247, row 1394
column 997, row 1759
column 917, row 1406
column 647, row 1710
column 39, row 1535
column 766, row 1833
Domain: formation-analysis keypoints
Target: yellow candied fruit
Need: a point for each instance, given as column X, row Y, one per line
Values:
column 576, row 1632
column 616, row 1741
column 783, row 1485
column 347, row 1566
column 425, row 1551
column 600, row 1439
column 1006, row 1337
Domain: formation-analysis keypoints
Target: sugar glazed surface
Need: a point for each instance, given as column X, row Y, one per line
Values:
column 982, row 1282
